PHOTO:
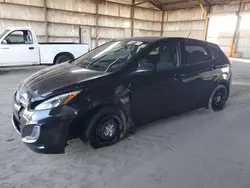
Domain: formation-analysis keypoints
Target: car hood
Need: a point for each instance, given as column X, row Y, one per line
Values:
column 46, row 81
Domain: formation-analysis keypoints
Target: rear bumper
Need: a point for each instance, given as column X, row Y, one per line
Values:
column 45, row 131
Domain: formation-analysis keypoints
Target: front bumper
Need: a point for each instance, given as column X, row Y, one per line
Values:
column 44, row 131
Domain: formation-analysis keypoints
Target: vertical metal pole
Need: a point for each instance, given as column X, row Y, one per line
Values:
column 46, row 20
column 80, row 34
column 205, row 13
column 162, row 23
column 97, row 25
column 207, row 23
column 132, row 16
column 236, row 31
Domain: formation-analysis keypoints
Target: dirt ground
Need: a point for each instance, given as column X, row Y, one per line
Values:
column 199, row 149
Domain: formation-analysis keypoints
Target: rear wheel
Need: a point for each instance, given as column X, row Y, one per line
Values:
column 63, row 58
column 105, row 128
column 218, row 98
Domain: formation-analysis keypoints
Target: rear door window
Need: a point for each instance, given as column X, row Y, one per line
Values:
column 196, row 53
column 214, row 51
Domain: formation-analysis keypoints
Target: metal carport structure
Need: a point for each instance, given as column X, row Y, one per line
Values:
column 223, row 22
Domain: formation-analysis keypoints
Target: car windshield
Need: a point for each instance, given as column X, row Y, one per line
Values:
column 111, row 56
column 3, row 33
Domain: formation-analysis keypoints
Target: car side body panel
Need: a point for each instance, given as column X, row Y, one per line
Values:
column 141, row 96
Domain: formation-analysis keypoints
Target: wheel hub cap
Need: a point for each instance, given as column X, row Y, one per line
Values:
column 109, row 130
column 218, row 99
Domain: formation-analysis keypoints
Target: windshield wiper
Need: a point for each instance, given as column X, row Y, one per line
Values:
column 112, row 64
column 95, row 61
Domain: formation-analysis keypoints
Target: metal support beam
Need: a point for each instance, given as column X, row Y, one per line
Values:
column 207, row 23
column 236, row 31
column 46, row 20
column 151, row 2
column 205, row 13
column 97, row 25
column 80, row 34
column 132, row 17
column 156, row 5
column 162, row 23
column 206, row 1
column 141, row 2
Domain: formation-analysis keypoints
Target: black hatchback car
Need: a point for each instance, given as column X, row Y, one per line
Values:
column 101, row 95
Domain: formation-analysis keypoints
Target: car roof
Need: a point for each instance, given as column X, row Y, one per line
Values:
column 144, row 39
column 155, row 39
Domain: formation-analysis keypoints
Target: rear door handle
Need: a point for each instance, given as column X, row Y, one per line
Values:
column 4, row 48
column 31, row 48
column 214, row 66
column 218, row 66
column 179, row 76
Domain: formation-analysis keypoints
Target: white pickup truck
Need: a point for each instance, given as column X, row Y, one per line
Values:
column 19, row 47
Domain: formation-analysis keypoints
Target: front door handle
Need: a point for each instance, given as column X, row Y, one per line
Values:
column 31, row 48
column 4, row 48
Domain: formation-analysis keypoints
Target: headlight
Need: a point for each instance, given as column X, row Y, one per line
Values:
column 57, row 101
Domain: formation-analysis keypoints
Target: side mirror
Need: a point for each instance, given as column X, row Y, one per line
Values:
column 146, row 67
column 4, row 41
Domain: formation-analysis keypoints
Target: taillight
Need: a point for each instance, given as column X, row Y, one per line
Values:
column 228, row 60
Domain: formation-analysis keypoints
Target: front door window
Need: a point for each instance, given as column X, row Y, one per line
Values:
column 19, row 37
column 168, row 58
column 163, row 58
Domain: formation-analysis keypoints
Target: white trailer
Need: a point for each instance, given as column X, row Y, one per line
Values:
column 19, row 47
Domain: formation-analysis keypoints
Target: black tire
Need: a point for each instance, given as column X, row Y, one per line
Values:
column 105, row 128
column 63, row 58
column 218, row 98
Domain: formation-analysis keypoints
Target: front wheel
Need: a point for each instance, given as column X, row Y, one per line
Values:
column 62, row 59
column 218, row 98
column 106, row 128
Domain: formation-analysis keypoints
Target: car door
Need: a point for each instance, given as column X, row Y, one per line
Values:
column 199, row 72
column 18, row 48
column 158, row 92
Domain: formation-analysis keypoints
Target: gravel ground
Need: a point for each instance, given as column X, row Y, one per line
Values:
column 199, row 149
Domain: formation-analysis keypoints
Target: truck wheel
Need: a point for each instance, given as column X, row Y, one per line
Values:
column 62, row 59
column 106, row 128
